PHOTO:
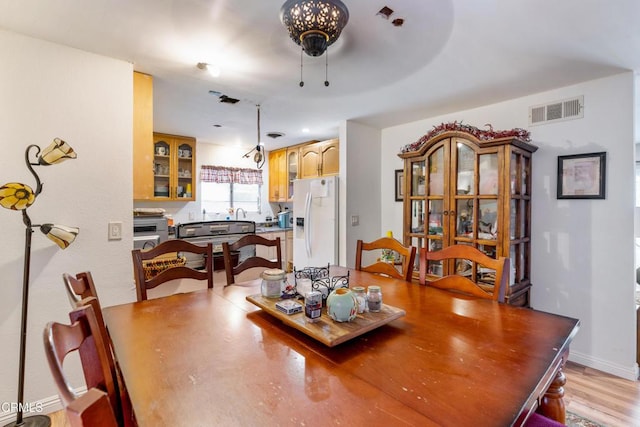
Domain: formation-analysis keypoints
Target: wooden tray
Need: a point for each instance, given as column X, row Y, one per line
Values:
column 325, row 329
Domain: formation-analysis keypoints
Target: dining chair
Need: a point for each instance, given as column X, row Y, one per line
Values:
column 81, row 291
column 466, row 282
column 228, row 250
column 164, row 263
column 83, row 336
column 91, row 409
column 407, row 254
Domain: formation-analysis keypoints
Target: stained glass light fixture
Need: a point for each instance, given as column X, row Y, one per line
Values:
column 314, row 25
column 19, row 197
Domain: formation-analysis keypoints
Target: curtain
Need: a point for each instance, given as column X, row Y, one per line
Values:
column 226, row 175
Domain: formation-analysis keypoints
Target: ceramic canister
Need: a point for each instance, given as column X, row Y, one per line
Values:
column 342, row 305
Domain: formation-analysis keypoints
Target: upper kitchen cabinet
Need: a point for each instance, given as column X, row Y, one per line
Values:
column 319, row 158
column 462, row 190
column 278, row 175
column 174, row 162
column 142, row 136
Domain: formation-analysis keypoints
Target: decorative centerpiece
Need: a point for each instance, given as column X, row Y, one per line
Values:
column 342, row 305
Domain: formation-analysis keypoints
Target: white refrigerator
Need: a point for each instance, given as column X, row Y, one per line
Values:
column 315, row 224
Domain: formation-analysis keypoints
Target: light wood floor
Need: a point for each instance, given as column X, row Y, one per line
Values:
column 600, row 397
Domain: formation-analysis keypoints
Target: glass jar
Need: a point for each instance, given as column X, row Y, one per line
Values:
column 273, row 283
column 361, row 298
column 374, row 299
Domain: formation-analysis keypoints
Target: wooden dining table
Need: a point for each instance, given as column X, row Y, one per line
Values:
column 210, row 357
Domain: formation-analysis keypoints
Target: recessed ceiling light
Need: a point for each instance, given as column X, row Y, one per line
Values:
column 213, row 70
column 305, row 130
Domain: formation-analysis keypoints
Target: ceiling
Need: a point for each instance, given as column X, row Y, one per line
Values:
column 448, row 55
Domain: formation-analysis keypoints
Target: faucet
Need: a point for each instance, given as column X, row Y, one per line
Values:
column 244, row 213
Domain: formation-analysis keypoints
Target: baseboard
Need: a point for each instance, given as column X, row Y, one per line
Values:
column 48, row 405
column 627, row 372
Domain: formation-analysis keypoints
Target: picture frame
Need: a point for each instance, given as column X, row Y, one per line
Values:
column 399, row 173
column 582, row 176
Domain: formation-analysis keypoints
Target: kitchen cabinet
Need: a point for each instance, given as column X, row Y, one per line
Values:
column 174, row 161
column 319, row 158
column 462, row 190
column 278, row 175
column 142, row 136
column 269, row 252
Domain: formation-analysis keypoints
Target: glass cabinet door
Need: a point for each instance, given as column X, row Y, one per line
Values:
column 161, row 168
column 292, row 170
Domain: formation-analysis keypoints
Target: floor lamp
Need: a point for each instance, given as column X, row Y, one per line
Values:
column 19, row 197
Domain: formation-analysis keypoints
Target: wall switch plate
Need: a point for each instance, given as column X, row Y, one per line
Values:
column 115, row 230
column 355, row 220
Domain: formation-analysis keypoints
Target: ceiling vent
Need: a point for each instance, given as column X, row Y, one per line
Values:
column 228, row 100
column 567, row 109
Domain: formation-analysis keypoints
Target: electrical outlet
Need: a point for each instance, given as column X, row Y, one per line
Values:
column 192, row 216
column 115, row 230
column 355, row 220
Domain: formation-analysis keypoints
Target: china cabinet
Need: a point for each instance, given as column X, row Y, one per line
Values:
column 278, row 175
column 460, row 189
column 319, row 158
column 174, row 160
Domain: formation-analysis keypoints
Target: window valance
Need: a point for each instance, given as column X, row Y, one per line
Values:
column 225, row 175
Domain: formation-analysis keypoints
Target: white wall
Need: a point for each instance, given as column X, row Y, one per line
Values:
column 52, row 91
column 360, row 185
column 582, row 250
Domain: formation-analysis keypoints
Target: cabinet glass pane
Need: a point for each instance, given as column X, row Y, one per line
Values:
column 436, row 172
column 292, row 170
column 417, row 243
column 515, row 188
column 161, row 169
column 524, row 227
column 464, row 219
column 435, row 217
column 525, row 175
column 488, row 174
column 434, row 267
column 466, row 162
column 512, row 271
column 488, row 219
column 514, row 218
column 417, row 178
column 417, row 216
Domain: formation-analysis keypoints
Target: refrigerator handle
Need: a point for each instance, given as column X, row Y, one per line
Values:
column 307, row 224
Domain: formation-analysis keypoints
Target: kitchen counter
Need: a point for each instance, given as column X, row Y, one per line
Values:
column 261, row 230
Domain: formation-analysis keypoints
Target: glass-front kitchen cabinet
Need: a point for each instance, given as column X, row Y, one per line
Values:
column 461, row 190
column 174, row 160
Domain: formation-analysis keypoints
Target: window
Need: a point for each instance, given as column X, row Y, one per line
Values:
column 223, row 188
column 218, row 197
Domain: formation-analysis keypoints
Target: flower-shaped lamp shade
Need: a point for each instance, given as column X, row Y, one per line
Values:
column 57, row 152
column 16, row 196
column 62, row 235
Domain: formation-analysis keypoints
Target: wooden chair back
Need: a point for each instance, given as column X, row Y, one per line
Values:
column 92, row 409
column 81, row 291
column 81, row 335
column 407, row 254
column 256, row 261
column 79, row 287
column 463, row 284
column 170, row 250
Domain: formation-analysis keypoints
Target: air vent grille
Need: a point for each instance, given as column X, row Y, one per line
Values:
column 567, row 109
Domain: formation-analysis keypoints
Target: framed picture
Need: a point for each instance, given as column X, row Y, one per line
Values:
column 399, row 185
column 582, row 176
